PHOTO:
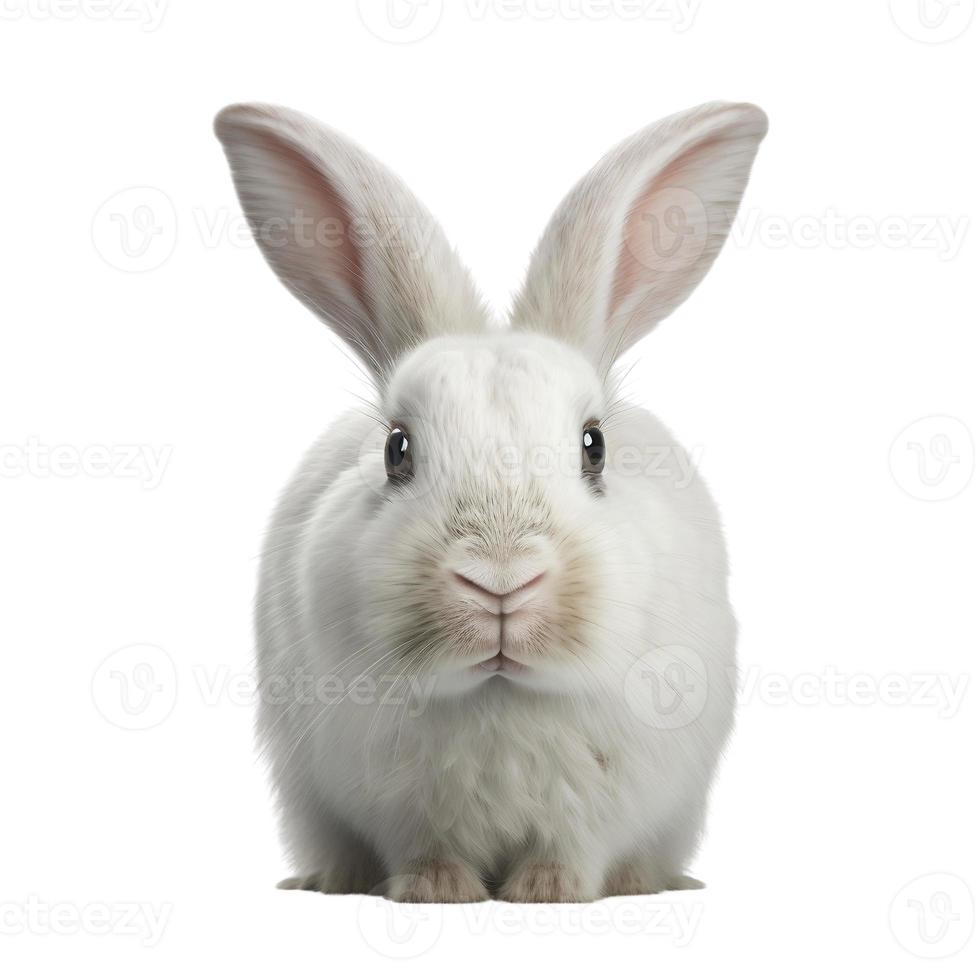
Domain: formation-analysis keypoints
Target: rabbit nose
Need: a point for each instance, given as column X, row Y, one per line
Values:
column 488, row 595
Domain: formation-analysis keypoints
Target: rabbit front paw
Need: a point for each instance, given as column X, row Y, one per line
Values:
column 537, row 881
column 437, row 881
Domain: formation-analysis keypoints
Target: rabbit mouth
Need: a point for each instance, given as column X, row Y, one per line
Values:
column 501, row 664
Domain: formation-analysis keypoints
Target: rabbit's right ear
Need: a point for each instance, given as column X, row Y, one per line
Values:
column 345, row 235
column 638, row 233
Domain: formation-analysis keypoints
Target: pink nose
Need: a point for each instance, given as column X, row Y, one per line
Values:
column 487, row 595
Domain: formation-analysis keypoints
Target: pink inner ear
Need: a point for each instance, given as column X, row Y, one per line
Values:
column 668, row 240
column 317, row 241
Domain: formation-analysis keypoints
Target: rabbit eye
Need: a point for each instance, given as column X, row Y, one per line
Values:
column 398, row 454
column 593, row 450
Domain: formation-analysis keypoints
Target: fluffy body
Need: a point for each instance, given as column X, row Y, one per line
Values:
column 486, row 771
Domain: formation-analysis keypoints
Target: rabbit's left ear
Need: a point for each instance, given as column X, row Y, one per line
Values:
column 345, row 235
column 639, row 232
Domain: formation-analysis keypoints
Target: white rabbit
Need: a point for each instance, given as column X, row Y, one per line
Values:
column 496, row 651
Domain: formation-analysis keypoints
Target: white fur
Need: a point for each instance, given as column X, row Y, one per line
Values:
column 559, row 782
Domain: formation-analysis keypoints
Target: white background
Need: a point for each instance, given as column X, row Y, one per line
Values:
column 843, row 833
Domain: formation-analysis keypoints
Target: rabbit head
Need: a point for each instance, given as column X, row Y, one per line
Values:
column 498, row 522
